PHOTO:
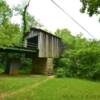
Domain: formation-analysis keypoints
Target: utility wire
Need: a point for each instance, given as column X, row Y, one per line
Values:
column 72, row 18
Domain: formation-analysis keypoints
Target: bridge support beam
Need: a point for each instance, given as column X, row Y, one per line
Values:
column 42, row 66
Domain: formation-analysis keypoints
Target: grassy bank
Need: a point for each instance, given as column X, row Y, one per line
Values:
column 45, row 88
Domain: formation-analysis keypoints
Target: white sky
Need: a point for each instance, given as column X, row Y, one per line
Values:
column 53, row 18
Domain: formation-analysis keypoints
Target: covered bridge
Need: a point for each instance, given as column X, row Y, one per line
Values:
column 41, row 46
column 49, row 47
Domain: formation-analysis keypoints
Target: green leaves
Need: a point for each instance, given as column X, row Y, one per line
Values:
column 9, row 34
column 84, row 62
column 66, row 37
column 90, row 6
column 82, row 57
column 5, row 12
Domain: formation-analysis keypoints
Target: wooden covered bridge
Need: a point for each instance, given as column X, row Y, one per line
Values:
column 42, row 47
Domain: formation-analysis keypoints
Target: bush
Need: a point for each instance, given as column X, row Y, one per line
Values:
column 84, row 63
column 60, row 72
column 81, row 63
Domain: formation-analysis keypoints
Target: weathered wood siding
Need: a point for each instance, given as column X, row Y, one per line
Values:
column 32, row 34
column 48, row 45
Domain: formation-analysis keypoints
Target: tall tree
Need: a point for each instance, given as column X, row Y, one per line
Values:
column 27, row 19
column 24, row 16
column 9, row 33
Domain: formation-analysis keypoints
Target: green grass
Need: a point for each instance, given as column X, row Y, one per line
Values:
column 10, row 84
column 35, row 88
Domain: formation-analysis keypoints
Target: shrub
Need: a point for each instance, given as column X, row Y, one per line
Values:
column 81, row 63
column 84, row 63
column 60, row 72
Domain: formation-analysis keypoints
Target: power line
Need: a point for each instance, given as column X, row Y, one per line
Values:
column 72, row 18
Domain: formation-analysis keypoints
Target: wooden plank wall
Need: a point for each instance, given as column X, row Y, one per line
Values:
column 49, row 46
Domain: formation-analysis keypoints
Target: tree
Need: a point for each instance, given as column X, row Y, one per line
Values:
column 80, row 42
column 91, row 7
column 9, row 33
column 5, row 12
column 66, row 37
column 24, row 17
column 80, row 59
column 27, row 19
column 69, row 43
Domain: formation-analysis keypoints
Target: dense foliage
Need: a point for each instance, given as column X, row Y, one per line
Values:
column 9, row 33
column 81, row 59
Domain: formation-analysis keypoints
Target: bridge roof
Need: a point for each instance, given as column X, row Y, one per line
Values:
column 41, row 30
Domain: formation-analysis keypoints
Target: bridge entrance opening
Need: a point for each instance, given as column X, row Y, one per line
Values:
column 32, row 42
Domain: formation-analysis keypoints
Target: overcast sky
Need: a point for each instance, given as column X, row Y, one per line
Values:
column 53, row 18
